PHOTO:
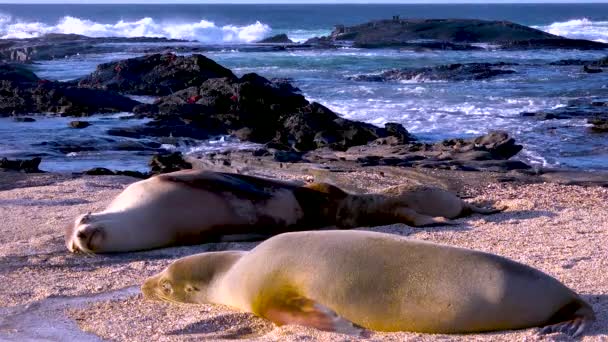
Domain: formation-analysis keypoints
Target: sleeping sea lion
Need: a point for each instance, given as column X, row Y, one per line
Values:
column 339, row 280
column 197, row 206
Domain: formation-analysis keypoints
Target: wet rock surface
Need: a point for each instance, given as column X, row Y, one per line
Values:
column 450, row 72
column 54, row 46
column 404, row 32
column 25, row 165
column 156, row 74
column 599, row 125
column 278, row 39
column 583, row 108
column 22, row 92
column 490, row 152
column 255, row 109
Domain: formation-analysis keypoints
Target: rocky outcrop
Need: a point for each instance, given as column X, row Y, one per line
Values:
column 165, row 163
column 584, row 108
column 22, row 92
column 53, row 46
column 451, row 72
column 403, row 32
column 255, row 109
column 157, row 74
column 59, row 98
column 599, row 125
column 26, row 166
column 278, row 39
column 16, row 74
column 491, row 152
column 79, row 124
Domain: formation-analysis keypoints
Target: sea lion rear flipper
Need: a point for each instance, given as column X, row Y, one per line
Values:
column 572, row 319
column 299, row 310
column 413, row 218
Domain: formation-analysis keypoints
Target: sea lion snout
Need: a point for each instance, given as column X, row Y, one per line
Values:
column 148, row 289
column 86, row 238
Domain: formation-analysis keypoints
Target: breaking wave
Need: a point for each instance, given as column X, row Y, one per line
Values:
column 202, row 31
column 579, row 29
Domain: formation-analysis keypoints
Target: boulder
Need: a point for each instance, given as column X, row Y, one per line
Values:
column 26, row 166
column 79, row 124
column 59, row 98
column 451, row 72
column 278, row 39
column 405, row 32
column 168, row 163
column 256, row 109
column 157, row 74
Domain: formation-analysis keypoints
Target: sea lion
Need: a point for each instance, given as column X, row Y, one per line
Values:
column 197, row 206
column 338, row 280
column 415, row 205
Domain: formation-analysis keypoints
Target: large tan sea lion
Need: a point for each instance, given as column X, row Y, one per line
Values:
column 338, row 280
column 196, row 206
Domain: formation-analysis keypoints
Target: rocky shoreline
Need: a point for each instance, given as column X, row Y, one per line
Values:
column 196, row 98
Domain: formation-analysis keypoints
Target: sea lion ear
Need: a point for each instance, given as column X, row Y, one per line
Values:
column 86, row 218
column 307, row 312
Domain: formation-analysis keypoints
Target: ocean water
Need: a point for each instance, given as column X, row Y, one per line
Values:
column 430, row 110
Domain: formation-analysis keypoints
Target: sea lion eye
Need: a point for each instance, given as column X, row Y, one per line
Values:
column 166, row 287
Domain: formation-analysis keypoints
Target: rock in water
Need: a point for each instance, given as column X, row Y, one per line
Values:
column 278, row 39
column 254, row 109
column 80, row 124
column 168, row 163
column 158, row 74
column 26, row 166
column 405, row 32
column 451, row 72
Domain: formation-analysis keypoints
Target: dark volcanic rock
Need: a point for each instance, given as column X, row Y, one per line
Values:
column 16, row 73
column 584, row 108
column 490, row 152
column 553, row 43
column 24, row 119
column 52, row 46
column 168, row 163
column 80, row 124
column 404, row 32
column 591, row 70
column 599, row 125
column 278, row 39
column 60, row 98
column 155, row 74
column 451, row 72
column 27, row 166
column 255, row 109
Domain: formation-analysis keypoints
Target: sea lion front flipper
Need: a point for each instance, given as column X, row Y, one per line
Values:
column 415, row 219
column 300, row 310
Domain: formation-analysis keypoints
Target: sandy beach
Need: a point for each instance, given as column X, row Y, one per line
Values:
column 48, row 293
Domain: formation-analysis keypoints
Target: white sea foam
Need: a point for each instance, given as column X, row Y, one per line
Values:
column 203, row 31
column 579, row 29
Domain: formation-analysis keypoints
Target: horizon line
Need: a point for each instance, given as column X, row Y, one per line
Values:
column 304, row 2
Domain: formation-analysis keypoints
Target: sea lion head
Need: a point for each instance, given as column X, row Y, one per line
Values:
column 85, row 235
column 190, row 279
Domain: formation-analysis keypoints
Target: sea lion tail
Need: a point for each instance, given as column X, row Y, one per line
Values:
column 572, row 319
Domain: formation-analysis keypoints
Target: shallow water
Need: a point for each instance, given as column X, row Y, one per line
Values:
column 430, row 110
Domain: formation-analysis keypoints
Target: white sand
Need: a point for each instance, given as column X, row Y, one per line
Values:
column 561, row 230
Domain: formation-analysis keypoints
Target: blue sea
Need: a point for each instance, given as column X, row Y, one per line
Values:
column 430, row 110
